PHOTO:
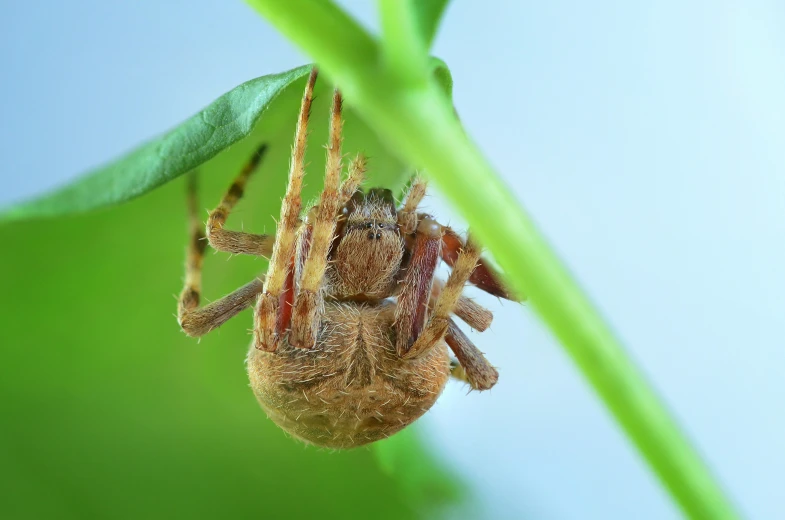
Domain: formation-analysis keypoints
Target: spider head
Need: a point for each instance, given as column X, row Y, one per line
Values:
column 371, row 248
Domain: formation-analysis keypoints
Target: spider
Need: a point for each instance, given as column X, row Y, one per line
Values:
column 351, row 328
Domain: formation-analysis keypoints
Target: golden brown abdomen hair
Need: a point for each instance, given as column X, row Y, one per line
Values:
column 351, row 388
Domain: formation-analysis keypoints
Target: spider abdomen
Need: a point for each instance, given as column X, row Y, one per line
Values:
column 351, row 388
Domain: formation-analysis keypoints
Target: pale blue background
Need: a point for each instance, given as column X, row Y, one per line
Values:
column 647, row 139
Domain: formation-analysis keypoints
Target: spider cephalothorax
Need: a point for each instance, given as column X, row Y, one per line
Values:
column 368, row 248
column 351, row 327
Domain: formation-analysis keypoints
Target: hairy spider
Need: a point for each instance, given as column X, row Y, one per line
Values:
column 351, row 328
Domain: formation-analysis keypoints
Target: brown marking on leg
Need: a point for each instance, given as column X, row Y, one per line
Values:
column 196, row 321
column 194, row 257
column 237, row 241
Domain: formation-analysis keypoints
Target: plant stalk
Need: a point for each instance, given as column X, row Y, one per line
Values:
column 420, row 123
column 404, row 50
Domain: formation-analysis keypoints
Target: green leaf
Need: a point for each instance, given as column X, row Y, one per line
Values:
column 227, row 120
column 260, row 110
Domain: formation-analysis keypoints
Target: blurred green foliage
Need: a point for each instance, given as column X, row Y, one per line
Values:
column 109, row 411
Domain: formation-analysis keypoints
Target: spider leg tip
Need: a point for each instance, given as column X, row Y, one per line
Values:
column 258, row 154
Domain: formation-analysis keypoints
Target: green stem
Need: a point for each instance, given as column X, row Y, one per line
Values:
column 404, row 49
column 420, row 123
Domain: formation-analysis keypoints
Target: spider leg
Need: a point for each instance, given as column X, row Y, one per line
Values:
column 195, row 320
column 356, row 174
column 471, row 312
column 267, row 321
column 236, row 241
column 435, row 329
column 473, row 368
column 309, row 300
column 457, row 371
column 484, row 276
column 411, row 310
column 407, row 214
